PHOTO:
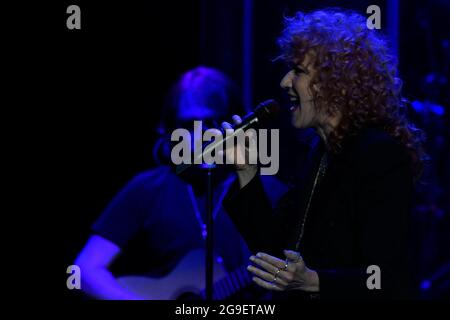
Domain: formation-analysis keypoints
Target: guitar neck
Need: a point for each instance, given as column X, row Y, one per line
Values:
column 232, row 283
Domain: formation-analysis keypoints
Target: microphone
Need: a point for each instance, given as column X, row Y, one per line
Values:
column 262, row 114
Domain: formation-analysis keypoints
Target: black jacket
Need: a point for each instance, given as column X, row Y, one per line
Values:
column 359, row 216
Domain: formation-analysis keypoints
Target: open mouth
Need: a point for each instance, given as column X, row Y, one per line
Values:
column 295, row 103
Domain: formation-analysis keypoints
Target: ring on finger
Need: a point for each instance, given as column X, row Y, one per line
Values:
column 275, row 276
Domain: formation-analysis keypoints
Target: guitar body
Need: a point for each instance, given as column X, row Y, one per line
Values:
column 188, row 277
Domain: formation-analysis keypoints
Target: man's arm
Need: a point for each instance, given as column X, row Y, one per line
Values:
column 96, row 279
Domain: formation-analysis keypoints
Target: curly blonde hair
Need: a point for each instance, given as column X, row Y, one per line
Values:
column 355, row 75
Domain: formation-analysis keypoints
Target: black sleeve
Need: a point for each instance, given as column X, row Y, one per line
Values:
column 264, row 227
column 383, row 221
column 125, row 214
column 250, row 211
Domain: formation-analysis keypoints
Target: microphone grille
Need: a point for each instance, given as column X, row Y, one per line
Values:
column 267, row 110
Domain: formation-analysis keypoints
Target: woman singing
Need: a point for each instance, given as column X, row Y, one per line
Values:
column 345, row 232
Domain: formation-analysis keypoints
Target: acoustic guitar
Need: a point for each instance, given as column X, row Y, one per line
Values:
column 187, row 281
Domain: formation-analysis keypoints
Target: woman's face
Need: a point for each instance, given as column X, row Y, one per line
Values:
column 296, row 83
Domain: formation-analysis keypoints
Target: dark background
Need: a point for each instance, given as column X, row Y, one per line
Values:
column 105, row 85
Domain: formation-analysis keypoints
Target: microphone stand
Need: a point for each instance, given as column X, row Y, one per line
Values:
column 264, row 109
column 209, row 257
column 208, row 229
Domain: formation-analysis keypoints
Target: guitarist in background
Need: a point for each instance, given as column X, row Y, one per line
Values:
column 153, row 230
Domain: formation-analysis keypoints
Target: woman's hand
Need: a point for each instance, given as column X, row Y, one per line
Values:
column 239, row 155
column 282, row 275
